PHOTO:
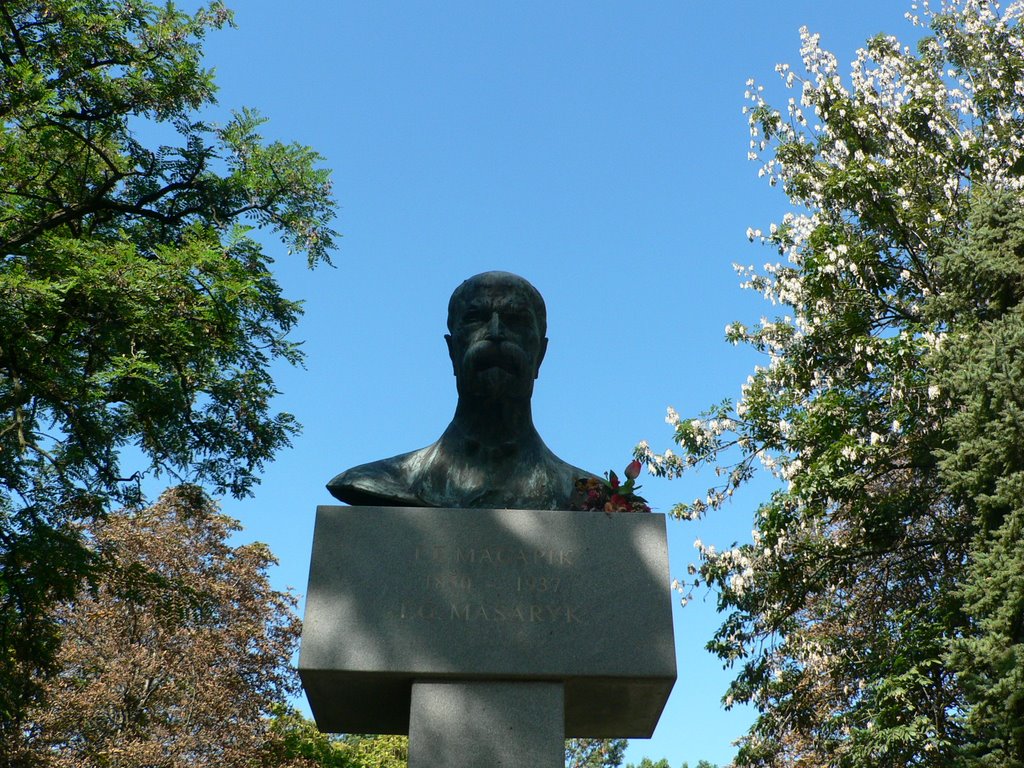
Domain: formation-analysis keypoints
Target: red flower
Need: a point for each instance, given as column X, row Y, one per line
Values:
column 610, row 494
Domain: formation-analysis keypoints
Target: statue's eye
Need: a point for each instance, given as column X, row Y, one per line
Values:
column 476, row 316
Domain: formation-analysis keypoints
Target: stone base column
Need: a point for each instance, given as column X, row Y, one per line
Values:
column 487, row 725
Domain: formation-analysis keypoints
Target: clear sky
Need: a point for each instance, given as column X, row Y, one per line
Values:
column 596, row 148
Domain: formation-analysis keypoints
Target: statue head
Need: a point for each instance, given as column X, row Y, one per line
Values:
column 496, row 336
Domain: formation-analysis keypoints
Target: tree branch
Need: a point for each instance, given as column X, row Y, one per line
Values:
column 15, row 35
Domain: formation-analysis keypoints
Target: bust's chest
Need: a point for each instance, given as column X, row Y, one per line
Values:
column 497, row 485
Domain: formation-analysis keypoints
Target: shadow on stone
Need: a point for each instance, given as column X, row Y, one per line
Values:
column 398, row 595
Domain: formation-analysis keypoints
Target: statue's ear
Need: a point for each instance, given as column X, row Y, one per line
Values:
column 451, row 351
column 540, row 356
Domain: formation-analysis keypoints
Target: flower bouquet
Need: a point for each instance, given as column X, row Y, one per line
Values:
column 609, row 495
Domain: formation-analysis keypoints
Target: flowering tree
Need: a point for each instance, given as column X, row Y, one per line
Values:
column 847, row 615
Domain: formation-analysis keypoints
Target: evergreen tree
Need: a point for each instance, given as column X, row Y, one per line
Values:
column 982, row 367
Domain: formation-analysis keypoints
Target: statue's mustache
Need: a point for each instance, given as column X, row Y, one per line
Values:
column 501, row 354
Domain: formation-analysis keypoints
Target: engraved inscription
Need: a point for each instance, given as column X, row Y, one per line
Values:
column 495, row 556
column 478, row 612
column 494, row 584
column 522, row 613
column 538, row 583
column 459, row 581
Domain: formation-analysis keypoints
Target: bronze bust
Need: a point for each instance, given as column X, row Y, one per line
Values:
column 490, row 456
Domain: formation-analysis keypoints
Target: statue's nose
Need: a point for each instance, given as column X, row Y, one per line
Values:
column 495, row 330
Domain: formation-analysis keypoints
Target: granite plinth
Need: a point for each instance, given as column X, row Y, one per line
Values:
column 486, row 725
column 398, row 595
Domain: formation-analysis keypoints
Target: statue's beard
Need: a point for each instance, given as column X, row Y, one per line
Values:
column 496, row 371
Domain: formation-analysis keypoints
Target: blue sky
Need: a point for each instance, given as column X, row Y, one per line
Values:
column 596, row 148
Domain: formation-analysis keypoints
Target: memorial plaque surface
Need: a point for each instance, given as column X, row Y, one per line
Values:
column 403, row 594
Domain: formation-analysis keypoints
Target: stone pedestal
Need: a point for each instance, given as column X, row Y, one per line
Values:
column 408, row 606
column 486, row 725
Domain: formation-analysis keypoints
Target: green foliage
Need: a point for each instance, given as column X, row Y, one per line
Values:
column 135, row 309
column 594, row 753
column 663, row 763
column 386, row 751
column 297, row 738
column 358, row 751
column 983, row 468
column 874, row 620
column 303, row 741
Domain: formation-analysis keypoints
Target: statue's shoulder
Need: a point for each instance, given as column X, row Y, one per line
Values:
column 563, row 470
column 388, row 482
column 575, row 473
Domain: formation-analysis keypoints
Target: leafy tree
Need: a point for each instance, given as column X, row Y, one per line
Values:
column 646, row 762
column 357, row 751
column 177, row 657
column 594, row 753
column 302, row 739
column 387, row 751
column 135, row 308
column 889, row 559
column 663, row 763
column 296, row 737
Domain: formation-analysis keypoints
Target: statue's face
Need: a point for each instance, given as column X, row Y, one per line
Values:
column 496, row 343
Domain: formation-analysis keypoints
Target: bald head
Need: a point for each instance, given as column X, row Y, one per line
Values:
column 515, row 288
